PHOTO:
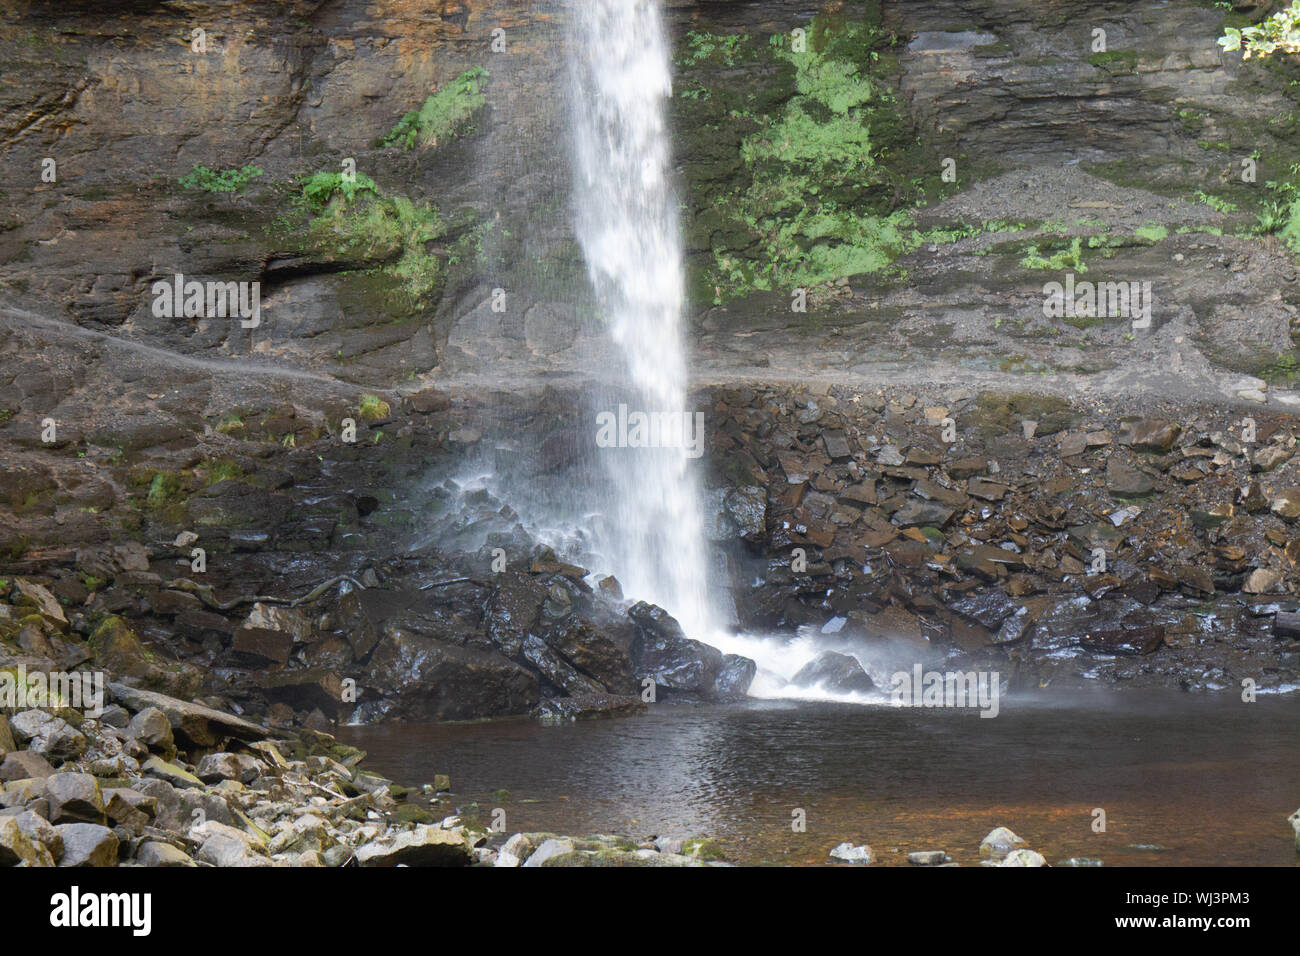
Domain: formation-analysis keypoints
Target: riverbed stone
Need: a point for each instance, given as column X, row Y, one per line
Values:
column 999, row 842
column 848, row 853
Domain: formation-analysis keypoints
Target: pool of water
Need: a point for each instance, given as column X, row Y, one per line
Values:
column 1183, row 780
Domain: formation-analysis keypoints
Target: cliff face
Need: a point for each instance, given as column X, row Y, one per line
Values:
column 821, row 174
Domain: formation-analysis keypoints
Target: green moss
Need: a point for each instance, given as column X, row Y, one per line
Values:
column 1115, row 60
column 163, row 489
column 1152, row 232
column 372, row 408
column 703, row 848
column 444, row 115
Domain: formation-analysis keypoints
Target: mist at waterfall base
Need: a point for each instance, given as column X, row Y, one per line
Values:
column 636, row 512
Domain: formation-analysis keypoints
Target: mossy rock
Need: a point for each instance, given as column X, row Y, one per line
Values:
column 412, row 813
column 703, row 848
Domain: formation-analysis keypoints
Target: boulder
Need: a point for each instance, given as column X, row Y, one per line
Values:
column 848, row 853
column 153, row 730
column 222, row 845
column 16, row 847
column 48, row 735
column 663, row 653
column 834, row 672
column 422, row 846
column 87, row 844
column 156, row 853
column 227, row 766
column 74, row 798
column 1023, row 858
column 25, row 765
column 734, row 678
column 197, row 725
column 999, row 843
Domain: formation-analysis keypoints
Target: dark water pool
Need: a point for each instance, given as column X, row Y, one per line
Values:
column 1183, row 780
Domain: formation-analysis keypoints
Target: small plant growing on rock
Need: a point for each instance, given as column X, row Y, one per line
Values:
column 220, row 180
column 373, row 408
column 444, row 115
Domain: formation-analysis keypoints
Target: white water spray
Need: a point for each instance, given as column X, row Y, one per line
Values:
column 652, row 534
column 627, row 227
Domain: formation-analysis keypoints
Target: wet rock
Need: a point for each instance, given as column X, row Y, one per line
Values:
column 927, row 857
column 664, row 654
column 1286, row 503
column 920, row 513
column 429, row 679
column 848, row 853
column 835, row 672
column 999, row 843
column 1023, row 858
column 87, row 844
column 594, row 650
column 1262, row 581
column 1271, row 457
column 1153, row 435
column 735, row 677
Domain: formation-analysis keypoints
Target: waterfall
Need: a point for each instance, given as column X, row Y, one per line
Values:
column 627, row 225
column 649, row 524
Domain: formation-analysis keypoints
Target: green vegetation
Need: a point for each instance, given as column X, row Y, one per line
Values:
column 1279, row 33
column 1066, row 258
column 827, row 174
column 319, row 188
column 372, row 408
column 1152, row 232
column 1214, row 202
column 356, row 217
column 220, row 181
column 1127, row 59
column 444, row 115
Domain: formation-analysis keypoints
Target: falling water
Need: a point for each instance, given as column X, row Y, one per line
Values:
column 652, row 533
column 628, row 229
